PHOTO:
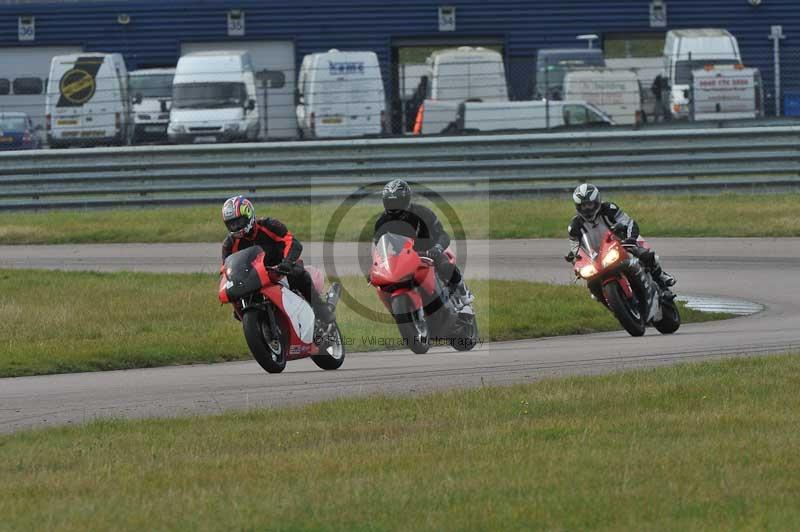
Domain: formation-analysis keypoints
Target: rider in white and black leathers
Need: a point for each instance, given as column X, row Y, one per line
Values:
column 593, row 211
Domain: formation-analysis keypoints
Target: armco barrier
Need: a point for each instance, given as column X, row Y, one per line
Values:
column 706, row 159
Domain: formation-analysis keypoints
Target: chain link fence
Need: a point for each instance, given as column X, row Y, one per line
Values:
column 88, row 99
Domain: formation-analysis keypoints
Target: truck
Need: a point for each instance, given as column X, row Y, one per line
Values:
column 552, row 64
column 340, row 94
column 152, row 98
column 214, row 98
column 691, row 49
column 616, row 92
column 87, row 101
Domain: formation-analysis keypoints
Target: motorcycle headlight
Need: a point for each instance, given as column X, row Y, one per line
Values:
column 611, row 257
column 588, row 271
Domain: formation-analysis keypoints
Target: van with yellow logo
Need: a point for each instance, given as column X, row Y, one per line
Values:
column 88, row 102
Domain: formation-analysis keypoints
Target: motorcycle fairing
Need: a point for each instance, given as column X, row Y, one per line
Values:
column 300, row 314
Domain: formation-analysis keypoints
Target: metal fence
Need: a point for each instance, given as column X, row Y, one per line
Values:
column 711, row 159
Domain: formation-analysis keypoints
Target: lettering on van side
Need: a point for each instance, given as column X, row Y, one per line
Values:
column 78, row 84
column 345, row 67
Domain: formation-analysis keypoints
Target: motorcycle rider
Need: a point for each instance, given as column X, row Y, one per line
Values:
column 282, row 249
column 590, row 210
column 416, row 221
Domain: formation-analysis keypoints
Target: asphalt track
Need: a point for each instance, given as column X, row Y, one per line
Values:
column 759, row 270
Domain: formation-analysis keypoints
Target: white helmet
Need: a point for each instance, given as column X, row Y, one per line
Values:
column 587, row 201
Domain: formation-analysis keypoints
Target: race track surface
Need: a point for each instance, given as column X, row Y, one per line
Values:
column 759, row 270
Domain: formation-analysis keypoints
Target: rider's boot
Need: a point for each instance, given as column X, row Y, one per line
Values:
column 322, row 311
column 462, row 293
column 662, row 278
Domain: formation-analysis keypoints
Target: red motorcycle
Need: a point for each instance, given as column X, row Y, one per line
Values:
column 616, row 278
column 422, row 306
column 279, row 324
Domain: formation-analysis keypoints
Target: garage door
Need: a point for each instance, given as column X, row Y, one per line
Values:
column 24, row 75
column 274, row 62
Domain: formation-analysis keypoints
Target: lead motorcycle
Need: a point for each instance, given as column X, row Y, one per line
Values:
column 617, row 278
column 422, row 306
column 279, row 324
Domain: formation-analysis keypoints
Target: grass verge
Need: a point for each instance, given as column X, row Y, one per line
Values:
column 658, row 215
column 709, row 446
column 60, row 322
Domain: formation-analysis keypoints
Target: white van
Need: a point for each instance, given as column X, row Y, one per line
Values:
column 214, row 98
column 340, row 94
column 87, row 100
column 527, row 115
column 467, row 73
column 151, row 90
column 616, row 92
column 693, row 49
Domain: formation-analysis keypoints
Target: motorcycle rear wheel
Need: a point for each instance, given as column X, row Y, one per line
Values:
column 335, row 358
column 626, row 314
column 670, row 318
column 269, row 353
column 413, row 328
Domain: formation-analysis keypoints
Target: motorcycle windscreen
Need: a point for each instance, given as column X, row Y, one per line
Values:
column 391, row 245
column 593, row 237
column 243, row 278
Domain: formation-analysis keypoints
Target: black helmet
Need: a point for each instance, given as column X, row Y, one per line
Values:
column 587, row 201
column 396, row 196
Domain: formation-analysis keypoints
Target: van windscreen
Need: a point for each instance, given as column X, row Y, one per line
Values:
column 152, row 86
column 215, row 95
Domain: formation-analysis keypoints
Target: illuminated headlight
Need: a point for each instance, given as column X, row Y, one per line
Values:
column 611, row 257
column 231, row 127
column 588, row 271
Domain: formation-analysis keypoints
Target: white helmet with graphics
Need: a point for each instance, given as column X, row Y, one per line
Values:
column 587, row 201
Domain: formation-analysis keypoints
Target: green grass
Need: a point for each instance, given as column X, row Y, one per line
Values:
column 58, row 322
column 710, row 446
column 658, row 215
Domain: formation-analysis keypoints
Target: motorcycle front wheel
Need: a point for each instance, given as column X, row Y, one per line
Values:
column 270, row 353
column 625, row 311
column 412, row 325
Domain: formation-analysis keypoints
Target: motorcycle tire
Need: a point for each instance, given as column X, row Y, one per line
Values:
column 670, row 318
column 270, row 356
column 470, row 337
column 628, row 317
column 330, row 361
column 414, row 331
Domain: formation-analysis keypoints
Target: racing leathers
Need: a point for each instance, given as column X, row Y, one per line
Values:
column 628, row 230
column 281, row 250
column 421, row 224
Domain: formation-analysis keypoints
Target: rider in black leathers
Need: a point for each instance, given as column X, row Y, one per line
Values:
column 416, row 221
column 590, row 210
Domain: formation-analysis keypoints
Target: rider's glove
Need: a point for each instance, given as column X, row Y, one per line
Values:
column 620, row 230
column 285, row 267
column 570, row 257
column 436, row 252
